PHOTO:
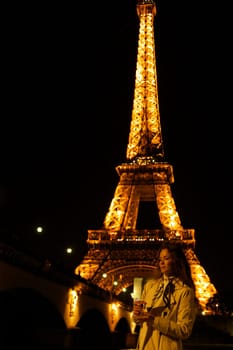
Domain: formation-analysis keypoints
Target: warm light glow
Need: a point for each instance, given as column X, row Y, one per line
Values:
column 145, row 95
column 72, row 301
column 114, row 312
column 39, row 229
column 137, row 287
column 204, row 288
column 114, row 306
column 69, row 250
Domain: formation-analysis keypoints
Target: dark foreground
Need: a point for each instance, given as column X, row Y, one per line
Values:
column 205, row 336
column 208, row 347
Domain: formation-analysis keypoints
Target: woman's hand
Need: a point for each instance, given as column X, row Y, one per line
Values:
column 150, row 320
column 139, row 311
column 140, row 314
column 140, row 317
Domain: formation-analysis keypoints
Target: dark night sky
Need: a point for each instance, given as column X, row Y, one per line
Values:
column 66, row 108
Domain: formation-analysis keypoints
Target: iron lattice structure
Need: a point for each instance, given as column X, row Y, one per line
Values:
column 119, row 251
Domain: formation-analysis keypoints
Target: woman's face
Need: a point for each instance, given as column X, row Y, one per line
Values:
column 166, row 262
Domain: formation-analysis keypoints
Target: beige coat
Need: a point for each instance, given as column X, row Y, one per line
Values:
column 171, row 326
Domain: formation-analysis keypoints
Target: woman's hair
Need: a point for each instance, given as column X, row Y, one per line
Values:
column 181, row 266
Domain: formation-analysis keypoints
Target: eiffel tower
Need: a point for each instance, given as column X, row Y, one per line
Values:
column 119, row 251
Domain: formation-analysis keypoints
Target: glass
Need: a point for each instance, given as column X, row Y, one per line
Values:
column 139, row 307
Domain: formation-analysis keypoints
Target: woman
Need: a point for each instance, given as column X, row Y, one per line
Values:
column 170, row 303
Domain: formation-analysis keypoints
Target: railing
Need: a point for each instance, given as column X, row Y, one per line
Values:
column 48, row 271
column 140, row 236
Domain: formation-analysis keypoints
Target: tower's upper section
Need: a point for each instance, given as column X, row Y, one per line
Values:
column 145, row 138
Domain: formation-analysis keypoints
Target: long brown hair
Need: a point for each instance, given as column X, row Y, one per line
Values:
column 181, row 266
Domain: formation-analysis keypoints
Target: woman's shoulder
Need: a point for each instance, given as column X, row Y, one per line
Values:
column 152, row 282
column 180, row 285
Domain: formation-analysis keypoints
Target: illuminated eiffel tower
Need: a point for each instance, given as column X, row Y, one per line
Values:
column 119, row 251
